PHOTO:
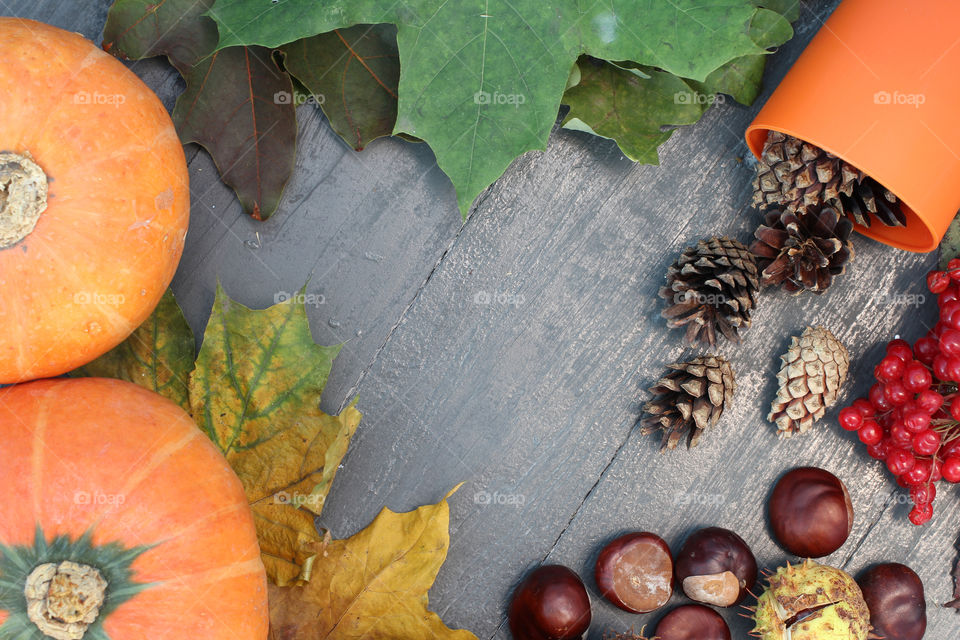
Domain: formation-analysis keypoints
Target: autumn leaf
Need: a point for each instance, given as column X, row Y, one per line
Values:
column 256, row 392
column 353, row 74
column 237, row 104
column 742, row 77
column 373, row 585
column 481, row 83
column 158, row 355
column 639, row 107
column 632, row 108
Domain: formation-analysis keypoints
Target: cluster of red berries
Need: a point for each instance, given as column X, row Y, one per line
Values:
column 911, row 417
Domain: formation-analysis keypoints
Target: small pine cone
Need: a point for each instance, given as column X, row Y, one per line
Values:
column 689, row 399
column 802, row 252
column 813, row 371
column 711, row 287
column 797, row 176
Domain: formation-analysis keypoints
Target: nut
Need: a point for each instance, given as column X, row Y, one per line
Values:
column 692, row 622
column 716, row 566
column 550, row 604
column 635, row 572
column 810, row 512
column 894, row 595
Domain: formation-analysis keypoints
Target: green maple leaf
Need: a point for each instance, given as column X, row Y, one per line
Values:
column 640, row 106
column 352, row 74
column 481, row 80
column 629, row 107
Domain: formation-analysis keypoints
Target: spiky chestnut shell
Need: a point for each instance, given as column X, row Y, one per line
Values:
column 811, row 601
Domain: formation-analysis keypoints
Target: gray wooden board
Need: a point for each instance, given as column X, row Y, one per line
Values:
column 511, row 352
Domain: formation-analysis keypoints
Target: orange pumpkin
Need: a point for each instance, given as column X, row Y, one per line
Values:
column 94, row 201
column 122, row 519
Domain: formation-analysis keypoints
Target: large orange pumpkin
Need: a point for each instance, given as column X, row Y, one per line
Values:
column 94, row 201
column 119, row 519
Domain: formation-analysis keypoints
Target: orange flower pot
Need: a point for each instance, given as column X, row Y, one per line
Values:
column 879, row 86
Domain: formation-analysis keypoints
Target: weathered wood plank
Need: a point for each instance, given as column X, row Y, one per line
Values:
column 512, row 353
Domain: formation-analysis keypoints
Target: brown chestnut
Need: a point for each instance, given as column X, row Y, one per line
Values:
column 692, row 622
column 550, row 604
column 716, row 566
column 810, row 512
column 635, row 572
column 894, row 594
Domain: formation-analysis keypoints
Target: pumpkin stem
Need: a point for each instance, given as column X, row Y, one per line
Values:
column 64, row 599
column 23, row 196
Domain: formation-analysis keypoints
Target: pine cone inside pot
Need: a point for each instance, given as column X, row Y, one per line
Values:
column 797, row 176
column 689, row 399
column 802, row 252
column 813, row 370
column 711, row 287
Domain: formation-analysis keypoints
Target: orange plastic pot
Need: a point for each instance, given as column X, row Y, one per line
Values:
column 879, row 86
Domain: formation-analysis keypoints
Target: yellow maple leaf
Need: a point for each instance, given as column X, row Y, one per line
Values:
column 256, row 392
column 373, row 585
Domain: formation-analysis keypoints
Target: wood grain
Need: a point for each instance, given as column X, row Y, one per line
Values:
column 512, row 351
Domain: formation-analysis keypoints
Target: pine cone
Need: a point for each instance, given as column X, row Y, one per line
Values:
column 798, row 176
column 813, row 370
column 802, row 252
column 689, row 399
column 711, row 286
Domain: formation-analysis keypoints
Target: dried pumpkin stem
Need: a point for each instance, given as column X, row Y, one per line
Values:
column 64, row 599
column 23, row 196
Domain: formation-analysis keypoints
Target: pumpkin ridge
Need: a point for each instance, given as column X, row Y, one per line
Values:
column 202, row 521
column 143, row 471
column 218, row 574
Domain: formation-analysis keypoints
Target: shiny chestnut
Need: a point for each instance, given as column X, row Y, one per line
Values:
column 716, row 566
column 894, row 594
column 635, row 572
column 810, row 512
column 550, row 604
column 692, row 622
